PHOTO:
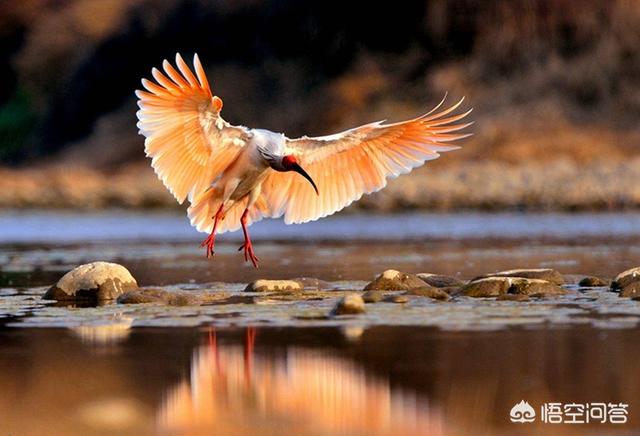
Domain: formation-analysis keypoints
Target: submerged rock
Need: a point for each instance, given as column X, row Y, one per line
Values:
column 513, row 297
column 548, row 274
column 159, row 295
column 497, row 286
column 431, row 292
column 96, row 281
column 439, row 280
column 625, row 278
column 392, row 280
column 264, row 285
column 534, row 287
column 487, row 287
column 593, row 282
column 350, row 304
column 632, row 290
column 373, row 296
column 397, row 298
column 312, row 283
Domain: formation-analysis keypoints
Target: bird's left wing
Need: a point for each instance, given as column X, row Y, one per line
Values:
column 359, row 161
column 189, row 142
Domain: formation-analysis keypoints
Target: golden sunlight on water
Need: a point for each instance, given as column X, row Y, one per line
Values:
column 233, row 390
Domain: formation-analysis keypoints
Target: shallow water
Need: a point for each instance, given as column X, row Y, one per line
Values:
column 280, row 364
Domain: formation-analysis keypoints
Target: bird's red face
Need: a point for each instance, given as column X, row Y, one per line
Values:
column 290, row 163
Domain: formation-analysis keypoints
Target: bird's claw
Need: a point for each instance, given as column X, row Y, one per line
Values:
column 209, row 243
column 249, row 254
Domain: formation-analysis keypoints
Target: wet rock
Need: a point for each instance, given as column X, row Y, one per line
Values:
column 313, row 283
column 487, row 287
column 431, row 292
column 373, row 296
column 392, row 280
column 452, row 290
column 274, row 286
column 632, row 290
column 625, row 278
column 439, row 281
column 397, row 298
column 96, row 281
column 534, row 287
column 513, row 297
column 350, row 304
column 593, row 282
column 162, row 296
column 548, row 274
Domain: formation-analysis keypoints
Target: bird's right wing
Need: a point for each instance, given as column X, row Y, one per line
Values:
column 189, row 142
column 359, row 161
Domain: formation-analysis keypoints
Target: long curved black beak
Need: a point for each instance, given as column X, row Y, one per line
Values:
column 298, row 169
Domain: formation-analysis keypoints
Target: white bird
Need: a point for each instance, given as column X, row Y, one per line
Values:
column 234, row 176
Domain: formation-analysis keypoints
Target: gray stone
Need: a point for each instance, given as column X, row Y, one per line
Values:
column 550, row 275
column 350, row 304
column 373, row 296
column 392, row 280
column 439, row 281
column 534, row 287
column 96, row 281
column 632, row 290
column 625, row 278
column 274, row 286
column 593, row 282
column 487, row 287
column 429, row 291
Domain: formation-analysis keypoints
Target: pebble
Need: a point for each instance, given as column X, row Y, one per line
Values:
column 263, row 285
column 96, row 281
column 548, row 274
column 392, row 280
column 350, row 304
column 593, row 282
column 439, row 280
column 625, row 278
column 431, row 292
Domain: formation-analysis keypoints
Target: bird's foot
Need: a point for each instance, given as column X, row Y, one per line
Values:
column 209, row 243
column 249, row 254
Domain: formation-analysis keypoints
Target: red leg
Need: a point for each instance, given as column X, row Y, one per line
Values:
column 247, row 246
column 210, row 242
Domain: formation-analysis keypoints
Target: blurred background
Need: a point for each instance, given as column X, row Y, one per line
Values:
column 555, row 87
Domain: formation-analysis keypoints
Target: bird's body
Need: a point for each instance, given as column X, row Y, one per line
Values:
column 233, row 175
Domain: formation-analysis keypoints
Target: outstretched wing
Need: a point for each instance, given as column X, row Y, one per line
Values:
column 359, row 161
column 189, row 142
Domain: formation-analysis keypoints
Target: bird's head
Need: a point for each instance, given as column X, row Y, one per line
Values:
column 290, row 163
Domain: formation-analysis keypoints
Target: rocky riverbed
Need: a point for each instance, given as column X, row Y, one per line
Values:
column 103, row 296
column 431, row 315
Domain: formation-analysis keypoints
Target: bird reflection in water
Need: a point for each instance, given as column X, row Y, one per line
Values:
column 234, row 390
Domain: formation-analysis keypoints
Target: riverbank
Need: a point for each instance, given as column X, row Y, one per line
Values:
column 560, row 185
